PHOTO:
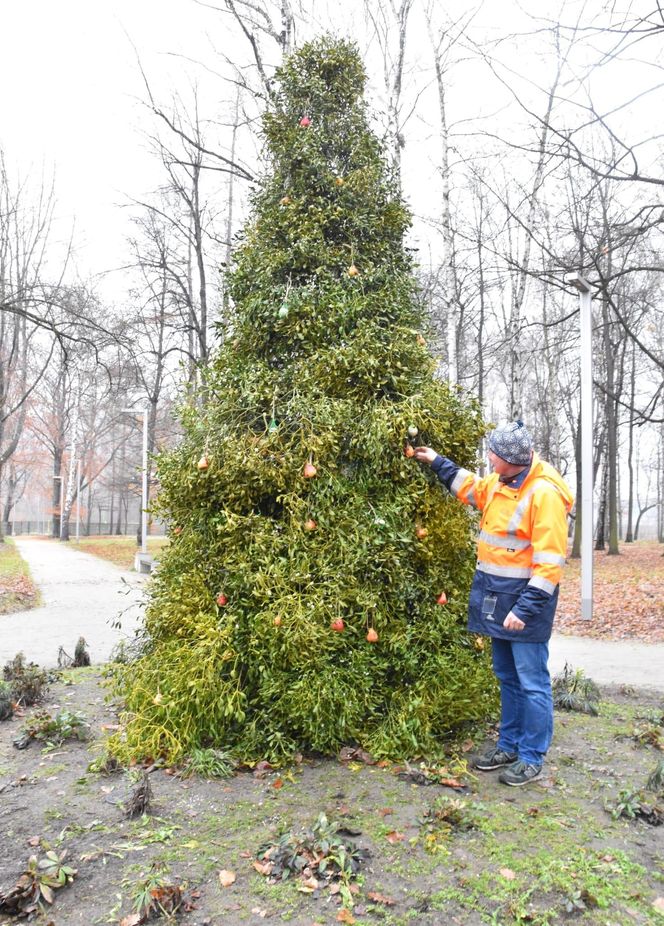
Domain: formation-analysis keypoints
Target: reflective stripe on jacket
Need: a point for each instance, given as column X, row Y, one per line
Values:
column 521, row 546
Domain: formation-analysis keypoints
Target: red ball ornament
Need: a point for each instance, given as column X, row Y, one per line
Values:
column 442, row 598
column 222, row 600
column 305, row 121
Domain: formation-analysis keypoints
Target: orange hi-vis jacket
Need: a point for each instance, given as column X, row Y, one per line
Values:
column 521, row 547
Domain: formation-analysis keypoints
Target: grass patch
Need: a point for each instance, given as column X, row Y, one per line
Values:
column 17, row 590
column 119, row 550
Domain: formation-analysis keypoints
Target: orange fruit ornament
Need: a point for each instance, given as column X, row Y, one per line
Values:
column 277, row 621
column 203, row 463
column 421, row 532
column 337, row 625
column 372, row 636
column 442, row 598
column 222, row 600
column 353, row 271
column 310, row 525
column 409, row 451
column 309, row 470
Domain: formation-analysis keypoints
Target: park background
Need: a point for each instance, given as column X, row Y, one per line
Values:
column 527, row 147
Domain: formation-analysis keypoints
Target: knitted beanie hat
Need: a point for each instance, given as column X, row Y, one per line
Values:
column 512, row 443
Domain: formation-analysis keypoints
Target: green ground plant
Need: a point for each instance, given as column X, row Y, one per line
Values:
column 28, row 682
column 53, row 731
column 295, row 608
column 574, row 691
column 319, row 857
column 208, row 763
column 37, row 885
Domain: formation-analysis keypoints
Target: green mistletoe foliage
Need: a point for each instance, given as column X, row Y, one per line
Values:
column 296, row 607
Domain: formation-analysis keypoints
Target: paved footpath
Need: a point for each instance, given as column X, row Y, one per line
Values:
column 610, row 662
column 82, row 595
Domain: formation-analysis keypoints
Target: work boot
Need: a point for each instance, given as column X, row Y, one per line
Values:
column 493, row 758
column 520, row 773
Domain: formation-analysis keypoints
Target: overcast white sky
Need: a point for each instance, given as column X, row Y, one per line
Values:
column 70, row 100
column 71, row 90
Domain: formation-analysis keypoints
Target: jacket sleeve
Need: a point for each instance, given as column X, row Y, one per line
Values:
column 549, row 545
column 466, row 486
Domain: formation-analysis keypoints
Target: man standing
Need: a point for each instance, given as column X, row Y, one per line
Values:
column 521, row 551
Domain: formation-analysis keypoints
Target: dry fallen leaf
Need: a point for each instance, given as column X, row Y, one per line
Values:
column 385, row 811
column 508, row 874
column 245, row 855
column 450, row 782
column 226, row 878
column 34, row 840
column 263, row 868
column 134, row 919
column 658, row 904
column 381, row 898
column 277, row 783
column 308, row 885
column 394, row 837
column 345, row 916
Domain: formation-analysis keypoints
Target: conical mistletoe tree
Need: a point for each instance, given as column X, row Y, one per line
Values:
column 297, row 606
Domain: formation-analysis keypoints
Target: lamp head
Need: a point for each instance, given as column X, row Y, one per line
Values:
column 578, row 282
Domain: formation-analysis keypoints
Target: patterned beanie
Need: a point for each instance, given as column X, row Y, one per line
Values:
column 512, row 443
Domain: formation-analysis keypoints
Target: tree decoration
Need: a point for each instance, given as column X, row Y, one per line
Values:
column 348, row 378
column 203, row 463
column 372, row 636
column 413, row 432
column 442, row 598
column 309, row 470
column 421, row 532
column 353, row 271
column 222, row 600
column 310, row 525
column 305, row 121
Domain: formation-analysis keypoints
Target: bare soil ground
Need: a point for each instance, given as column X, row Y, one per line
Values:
column 546, row 854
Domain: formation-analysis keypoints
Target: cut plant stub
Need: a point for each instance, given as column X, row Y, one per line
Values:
column 442, row 598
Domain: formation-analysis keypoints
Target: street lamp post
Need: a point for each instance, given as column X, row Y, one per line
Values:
column 144, row 473
column 585, row 306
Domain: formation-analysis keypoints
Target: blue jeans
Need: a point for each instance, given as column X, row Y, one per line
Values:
column 526, row 701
